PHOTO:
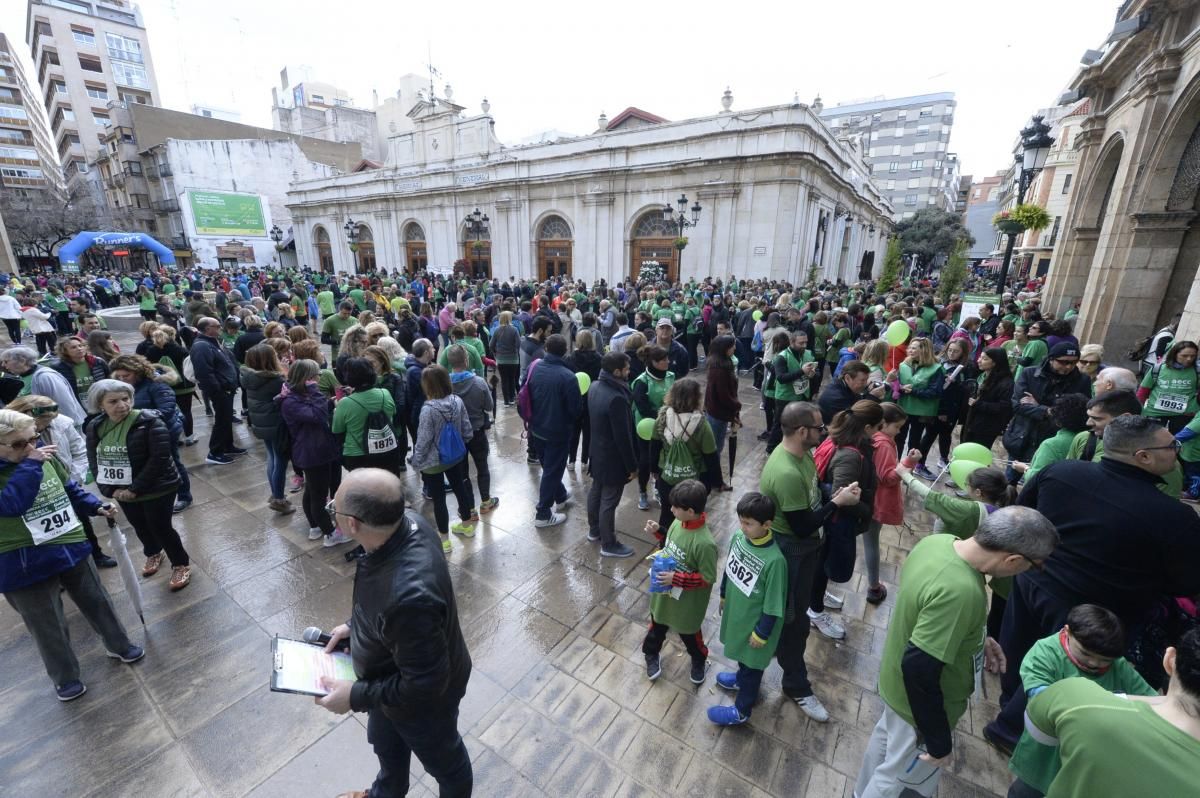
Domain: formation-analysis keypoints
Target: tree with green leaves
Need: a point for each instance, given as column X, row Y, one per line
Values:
column 891, row 266
column 932, row 234
column 954, row 273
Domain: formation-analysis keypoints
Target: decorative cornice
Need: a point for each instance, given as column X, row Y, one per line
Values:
column 713, row 192
column 1164, row 221
column 1086, row 233
column 600, row 198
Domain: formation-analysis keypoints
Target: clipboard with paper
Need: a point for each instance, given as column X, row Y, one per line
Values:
column 297, row 667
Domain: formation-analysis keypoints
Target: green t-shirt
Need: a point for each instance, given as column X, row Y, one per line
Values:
column 798, row 389
column 83, row 380
column 1172, row 392
column 360, row 301
column 325, row 303
column 334, row 326
column 941, row 609
column 820, row 339
column 327, row 383
column 50, row 514
column 1036, row 763
column 919, row 379
column 1079, row 444
column 695, row 552
column 663, row 313
column 755, row 584
column 791, row 482
column 474, row 360
column 113, row 467
column 146, row 302
column 56, row 301
column 1112, row 746
column 1034, row 353
column 1051, row 450
column 350, row 417
column 169, row 289
column 128, row 284
column 841, row 338
column 656, row 390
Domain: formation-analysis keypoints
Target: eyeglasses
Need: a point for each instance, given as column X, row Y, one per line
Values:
column 21, row 444
column 329, row 508
column 1062, row 362
column 818, row 427
column 1176, row 445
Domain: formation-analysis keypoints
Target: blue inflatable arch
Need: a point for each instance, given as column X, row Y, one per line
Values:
column 68, row 253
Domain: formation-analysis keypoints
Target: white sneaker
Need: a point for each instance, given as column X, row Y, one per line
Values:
column 826, row 625
column 554, row 520
column 565, row 503
column 315, row 533
column 336, row 539
column 811, row 705
column 833, row 602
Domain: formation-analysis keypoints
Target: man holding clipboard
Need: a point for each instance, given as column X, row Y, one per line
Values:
column 405, row 641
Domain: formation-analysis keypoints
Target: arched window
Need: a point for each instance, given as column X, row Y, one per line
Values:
column 324, row 250
column 366, row 250
column 414, row 232
column 415, row 253
column 555, row 228
column 653, row 225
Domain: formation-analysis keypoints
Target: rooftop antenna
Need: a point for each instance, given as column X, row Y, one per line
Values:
column 433, row 73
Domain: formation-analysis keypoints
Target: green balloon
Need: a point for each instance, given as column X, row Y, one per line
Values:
column 585, row 382
column 645, row 429
column 961, row 469
column 756, row 315
column 972, row 451
column 897, row 332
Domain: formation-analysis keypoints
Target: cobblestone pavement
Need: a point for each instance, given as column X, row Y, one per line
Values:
column 557, row 705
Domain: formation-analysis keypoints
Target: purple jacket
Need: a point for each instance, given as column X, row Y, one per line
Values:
column 308, row 420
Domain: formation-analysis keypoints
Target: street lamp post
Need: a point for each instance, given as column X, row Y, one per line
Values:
column 477, row 225
column 351, row 228
column 681, row 222
column 277, row 236
column 1035, row 149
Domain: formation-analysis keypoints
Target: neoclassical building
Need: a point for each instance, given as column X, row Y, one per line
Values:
column 1131, row 234
column 779, row 194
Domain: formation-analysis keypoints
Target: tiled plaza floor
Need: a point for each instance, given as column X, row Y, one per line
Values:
column 557, row 705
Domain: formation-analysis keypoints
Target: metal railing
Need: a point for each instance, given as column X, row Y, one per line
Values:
column 165, row 205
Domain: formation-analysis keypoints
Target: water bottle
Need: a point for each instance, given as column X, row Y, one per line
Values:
column 661, row 563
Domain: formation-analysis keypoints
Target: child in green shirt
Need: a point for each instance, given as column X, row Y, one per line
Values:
column 682, row 607
column 1090, row 645
column 753, row 600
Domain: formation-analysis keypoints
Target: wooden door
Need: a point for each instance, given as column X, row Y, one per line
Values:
column 554, row 259
column 480, row 259
column 417, row 257
column 659, row 249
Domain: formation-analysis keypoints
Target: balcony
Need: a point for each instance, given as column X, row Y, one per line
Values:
column 164, row 170
column 165, row 205
column 180, row 242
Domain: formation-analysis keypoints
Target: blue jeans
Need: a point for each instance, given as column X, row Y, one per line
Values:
column 277, row 465
column 185, row 482
column 748, row 682
column 720, row 430
column 553, row 457
column 434, row 738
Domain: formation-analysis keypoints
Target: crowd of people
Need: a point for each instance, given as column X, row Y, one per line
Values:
column 1070, row 565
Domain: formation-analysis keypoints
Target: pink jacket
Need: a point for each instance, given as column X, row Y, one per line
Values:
column 889, row 504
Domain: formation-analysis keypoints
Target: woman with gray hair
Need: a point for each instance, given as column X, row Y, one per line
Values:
column 21, row 361
column 43, row 551
column 129, row 451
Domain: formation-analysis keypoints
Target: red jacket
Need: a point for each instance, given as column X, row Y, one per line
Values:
column 889, row 503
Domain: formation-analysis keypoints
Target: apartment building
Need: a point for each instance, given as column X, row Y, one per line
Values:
column 88, row 53
column 906, row 141
column 27, row 157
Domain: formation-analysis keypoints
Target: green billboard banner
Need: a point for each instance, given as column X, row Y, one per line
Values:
column 220, row 213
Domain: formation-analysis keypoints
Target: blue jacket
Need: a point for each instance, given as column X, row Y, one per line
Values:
column 557, row 402
column 151, row 395
column 215, row 369
column 416, row 396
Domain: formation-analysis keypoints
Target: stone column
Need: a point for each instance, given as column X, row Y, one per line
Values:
column 1139, row 260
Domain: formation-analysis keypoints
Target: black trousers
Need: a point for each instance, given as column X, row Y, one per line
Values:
column 320, row 483
column 1031, row 614
column 583, row 429
column 479, row 450
column 184, row 400
column 14, row 330
column 435, row 484
column 46, row 342
column 508, row 380
column 802, row 557
column 151, row 521
column 938, row 430
column 657, row 635
column 434, row 738
column 221, row 437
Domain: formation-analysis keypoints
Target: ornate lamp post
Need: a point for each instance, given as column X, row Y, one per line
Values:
column 1035, row 149
column 351, row 228
column 477, row 225
column 277, row 236
column 681, row 222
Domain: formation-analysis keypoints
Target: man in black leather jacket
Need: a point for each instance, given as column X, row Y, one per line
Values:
column 408, row 650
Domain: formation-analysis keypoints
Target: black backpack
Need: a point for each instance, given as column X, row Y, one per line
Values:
column 379, row 436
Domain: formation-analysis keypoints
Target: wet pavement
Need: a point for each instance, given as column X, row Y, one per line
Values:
column 557, row 705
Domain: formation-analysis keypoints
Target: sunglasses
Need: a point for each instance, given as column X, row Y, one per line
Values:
column 37, row 412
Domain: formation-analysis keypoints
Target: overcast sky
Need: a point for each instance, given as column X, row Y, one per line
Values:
column 557, row 65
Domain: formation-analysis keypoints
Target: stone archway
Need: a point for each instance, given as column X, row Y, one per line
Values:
column 324, row 249
column 653, row 239
column 366, row 250
column 554, row 243
column 416, row 251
